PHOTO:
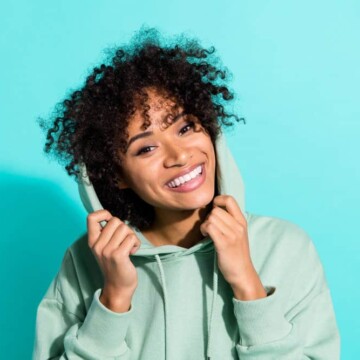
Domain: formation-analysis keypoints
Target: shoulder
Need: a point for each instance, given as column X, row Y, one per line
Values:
column 79, row 250
column 77, row 256
column 274, row 232
column 273, row 224
column 281, row 247
column 80, row 257
column 78, row 277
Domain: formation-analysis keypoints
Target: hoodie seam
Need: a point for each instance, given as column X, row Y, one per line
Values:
column 59, row 298
column 62, row 304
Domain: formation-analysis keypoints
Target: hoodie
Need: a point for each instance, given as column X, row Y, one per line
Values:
column 183, row 309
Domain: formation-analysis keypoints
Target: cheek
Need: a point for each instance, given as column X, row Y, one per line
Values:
column 143, row 180
column 139, row 181
column 210, row 150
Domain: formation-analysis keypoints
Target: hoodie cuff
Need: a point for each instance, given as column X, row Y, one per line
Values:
column 104, row 329
column 261, row 321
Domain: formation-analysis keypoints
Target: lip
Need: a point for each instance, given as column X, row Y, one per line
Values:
column 192, row 184
column 184, row 172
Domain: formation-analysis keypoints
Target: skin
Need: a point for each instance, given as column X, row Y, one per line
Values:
column 181, row 219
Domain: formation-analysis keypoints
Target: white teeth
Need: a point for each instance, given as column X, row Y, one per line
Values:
column 187, row 177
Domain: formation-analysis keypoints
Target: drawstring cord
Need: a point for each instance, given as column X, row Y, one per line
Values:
column 215, row 290
column 163, row 283
column 166, row 304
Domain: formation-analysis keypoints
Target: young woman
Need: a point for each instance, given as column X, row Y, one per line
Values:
column 172, row 266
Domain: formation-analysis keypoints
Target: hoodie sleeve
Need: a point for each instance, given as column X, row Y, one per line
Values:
column 298, row 324
column 64, row 333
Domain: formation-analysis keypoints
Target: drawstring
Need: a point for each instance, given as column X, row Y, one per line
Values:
column 163, row 283
column 166, row 310
column 215, row 290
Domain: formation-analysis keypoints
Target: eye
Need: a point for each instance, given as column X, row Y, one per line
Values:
column 187, row 127
column 144, row 150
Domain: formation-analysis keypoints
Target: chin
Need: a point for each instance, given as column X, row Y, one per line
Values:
column 202, row 201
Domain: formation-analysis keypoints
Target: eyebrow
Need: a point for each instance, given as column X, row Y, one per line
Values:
column 149, row 133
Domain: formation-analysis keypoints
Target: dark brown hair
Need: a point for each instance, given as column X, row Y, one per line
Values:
column 90, row 126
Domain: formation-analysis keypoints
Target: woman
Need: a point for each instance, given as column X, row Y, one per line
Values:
column 174, row 268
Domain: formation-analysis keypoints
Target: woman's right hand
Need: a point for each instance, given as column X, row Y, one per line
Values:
column 111, row 247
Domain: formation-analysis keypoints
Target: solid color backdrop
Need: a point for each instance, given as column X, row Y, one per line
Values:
column 296, row 73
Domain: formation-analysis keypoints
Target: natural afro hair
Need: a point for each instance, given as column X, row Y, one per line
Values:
column 90, row 125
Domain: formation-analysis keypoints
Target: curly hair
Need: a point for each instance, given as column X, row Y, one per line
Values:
column 90, row 125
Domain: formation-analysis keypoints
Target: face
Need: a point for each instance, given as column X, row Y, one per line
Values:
column 171, row 167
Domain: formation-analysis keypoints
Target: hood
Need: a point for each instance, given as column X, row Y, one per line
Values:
column 229, row 182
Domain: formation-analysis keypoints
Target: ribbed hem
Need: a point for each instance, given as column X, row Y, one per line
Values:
column 261, row 321
column 103, row 331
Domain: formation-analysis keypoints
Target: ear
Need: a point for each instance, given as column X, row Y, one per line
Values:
column 122, row 184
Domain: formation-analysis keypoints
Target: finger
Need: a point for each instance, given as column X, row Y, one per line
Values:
column 106, row 234
column 116, row 239
column 225, row 217
column 130, row 245
column 230, row 205
column 93, row 224
column 218, row 220
column 231, row 233
column 215, row 233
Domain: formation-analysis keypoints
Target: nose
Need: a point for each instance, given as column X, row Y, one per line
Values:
column 176, row 155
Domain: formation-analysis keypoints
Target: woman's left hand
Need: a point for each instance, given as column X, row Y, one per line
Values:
column 227, row 227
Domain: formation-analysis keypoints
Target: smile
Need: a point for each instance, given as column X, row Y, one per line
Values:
column 189, row 181
column 185, row 178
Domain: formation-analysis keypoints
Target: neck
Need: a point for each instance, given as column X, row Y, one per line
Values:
column 181, row 228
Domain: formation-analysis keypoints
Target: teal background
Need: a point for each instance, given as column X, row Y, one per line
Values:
column 296, row 72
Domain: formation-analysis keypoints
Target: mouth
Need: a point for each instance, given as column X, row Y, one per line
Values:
column 190, row 181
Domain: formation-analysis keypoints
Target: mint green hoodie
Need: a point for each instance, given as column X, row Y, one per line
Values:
column 183, row 309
